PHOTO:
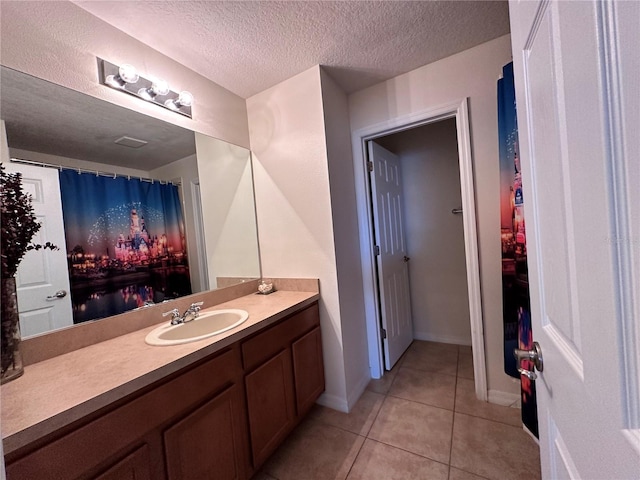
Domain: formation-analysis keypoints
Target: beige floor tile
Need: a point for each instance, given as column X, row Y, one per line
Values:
column 423, row 344
column 493, row 450
column 432, row 357
column 315, row 451
column 414, row 427
column 425, row 387
column 466, row 402
column 382, row 385
column 377, row 461
column 465, row 365
column 455, row 474
column 358, row 420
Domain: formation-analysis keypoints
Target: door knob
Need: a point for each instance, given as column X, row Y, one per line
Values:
column 535, row 355
column 58, row 294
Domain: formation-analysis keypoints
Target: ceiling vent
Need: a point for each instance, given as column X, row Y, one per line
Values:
column 130, row 142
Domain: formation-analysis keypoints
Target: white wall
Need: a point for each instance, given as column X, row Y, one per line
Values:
column 435, row 237
column 472, row 73
column 345, row 231
column 227, row 209
column 76, row 163
column 293, row 203
column 59, row 42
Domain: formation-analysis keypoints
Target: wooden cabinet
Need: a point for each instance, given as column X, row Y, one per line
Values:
column 127, row 438
column 133, row 467
column 284, row 378
column 270, row 405
column 220, row 418
column 308, row 370
column 208, row 443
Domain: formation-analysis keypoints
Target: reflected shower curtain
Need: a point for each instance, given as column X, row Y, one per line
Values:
column 125, row 243
column 515, row 284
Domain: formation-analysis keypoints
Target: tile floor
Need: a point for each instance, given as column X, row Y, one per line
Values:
column 421, row 421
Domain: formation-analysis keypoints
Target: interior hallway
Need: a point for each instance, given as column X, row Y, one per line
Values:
column 421, row 421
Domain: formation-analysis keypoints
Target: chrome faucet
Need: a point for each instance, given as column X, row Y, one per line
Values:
column 175, row 316
column 193, row 311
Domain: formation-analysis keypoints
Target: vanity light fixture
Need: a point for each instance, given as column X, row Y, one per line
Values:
column 125, row 78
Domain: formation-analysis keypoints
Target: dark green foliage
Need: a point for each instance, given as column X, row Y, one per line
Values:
column 19, row 223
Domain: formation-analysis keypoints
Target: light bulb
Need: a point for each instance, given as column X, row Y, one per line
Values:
column 128, row 73
column 185, row 98
column 158, row 87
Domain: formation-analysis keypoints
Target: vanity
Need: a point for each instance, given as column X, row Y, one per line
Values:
column 95, row 400
column 214, row 408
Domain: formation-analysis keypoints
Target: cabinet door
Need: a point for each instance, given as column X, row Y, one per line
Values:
column 133, row 467
column 208, row 443
column 270, row 404
column 308, row 370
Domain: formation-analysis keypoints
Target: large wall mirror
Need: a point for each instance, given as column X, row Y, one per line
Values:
column 52, row 131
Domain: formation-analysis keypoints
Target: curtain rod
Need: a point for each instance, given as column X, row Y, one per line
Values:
column 97, row 173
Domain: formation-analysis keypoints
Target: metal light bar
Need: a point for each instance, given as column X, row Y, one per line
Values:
column 130, row 82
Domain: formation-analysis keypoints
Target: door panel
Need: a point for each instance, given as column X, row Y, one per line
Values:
column 270, row 404
column 133, row 467
column 549, row 142
column 308, row 370
column 572, row 65
column 208, row 442
column 393, row 270
column 43, row 272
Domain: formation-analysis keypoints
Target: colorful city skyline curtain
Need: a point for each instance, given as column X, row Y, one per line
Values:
column 515, row 284
column 125, row 243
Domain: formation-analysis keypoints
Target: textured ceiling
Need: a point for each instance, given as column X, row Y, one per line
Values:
column 47, row 118
column 249, row 46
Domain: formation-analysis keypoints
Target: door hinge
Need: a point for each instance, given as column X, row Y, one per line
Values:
column 383, row 332
column 377, row 249
column 370, row 166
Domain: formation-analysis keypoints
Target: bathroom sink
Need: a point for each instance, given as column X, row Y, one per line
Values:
column 207, row 324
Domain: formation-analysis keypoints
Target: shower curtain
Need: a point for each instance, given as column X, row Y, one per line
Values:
column 515, row 285
column 125, row 243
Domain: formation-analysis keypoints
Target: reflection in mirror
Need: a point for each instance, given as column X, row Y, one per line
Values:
column 49, row 125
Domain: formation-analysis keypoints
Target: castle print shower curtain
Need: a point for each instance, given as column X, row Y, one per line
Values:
column 515, row 285
column 125, row 243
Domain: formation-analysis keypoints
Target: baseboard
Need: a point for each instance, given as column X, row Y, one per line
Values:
column 357, row 391
column 430, row 337
column 334, row 402
column 338, row 403
column 503, row 398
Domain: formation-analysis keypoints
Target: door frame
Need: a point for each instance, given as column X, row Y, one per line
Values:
column 460, row 111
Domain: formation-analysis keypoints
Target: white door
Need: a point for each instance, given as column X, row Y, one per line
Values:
column 43, row 273
column 393, row 268
column 577, row 72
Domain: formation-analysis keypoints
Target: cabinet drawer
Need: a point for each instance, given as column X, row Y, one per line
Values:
column 263, row 346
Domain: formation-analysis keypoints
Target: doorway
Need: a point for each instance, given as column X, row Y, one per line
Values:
column 457, row 111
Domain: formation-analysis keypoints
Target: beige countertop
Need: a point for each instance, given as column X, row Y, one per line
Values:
column 56, row 392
